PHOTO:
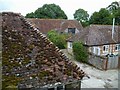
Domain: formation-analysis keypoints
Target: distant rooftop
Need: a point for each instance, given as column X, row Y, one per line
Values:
column 45, row 25
column 98, row 35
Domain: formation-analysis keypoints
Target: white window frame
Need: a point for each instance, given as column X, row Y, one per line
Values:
column 70, row 45
column 118, row 47
column 96, row 50
column 106, row 48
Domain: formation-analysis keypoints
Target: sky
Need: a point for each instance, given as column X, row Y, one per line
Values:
column 68, row 6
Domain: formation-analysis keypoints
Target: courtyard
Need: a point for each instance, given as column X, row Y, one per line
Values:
column 97, row 78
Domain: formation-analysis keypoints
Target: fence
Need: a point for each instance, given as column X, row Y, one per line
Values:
column 104, row 63
column 112, row 62
column 97, row 61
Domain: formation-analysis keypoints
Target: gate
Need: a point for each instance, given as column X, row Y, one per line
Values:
column 112, row 62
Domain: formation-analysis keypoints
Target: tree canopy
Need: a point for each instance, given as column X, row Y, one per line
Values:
column 101, row 17
column 105, row 15
column 30, row 15
column 50, row 11
column 58, row 39
column 82, row 16
column 114, row 9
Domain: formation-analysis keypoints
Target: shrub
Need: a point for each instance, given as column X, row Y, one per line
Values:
column 80, row 52
column 58, row 39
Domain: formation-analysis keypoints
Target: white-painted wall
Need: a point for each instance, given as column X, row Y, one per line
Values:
column 76, row 31
column 98, row 50
column 69, row 45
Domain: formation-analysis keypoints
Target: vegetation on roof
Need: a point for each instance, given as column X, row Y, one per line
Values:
column 29, row 58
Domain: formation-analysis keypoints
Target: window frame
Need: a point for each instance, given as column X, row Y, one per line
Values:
column 70, row 30
column 105, row 48
column 117, row 47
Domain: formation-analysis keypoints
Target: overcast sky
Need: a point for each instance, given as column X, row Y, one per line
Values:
column 68, row 6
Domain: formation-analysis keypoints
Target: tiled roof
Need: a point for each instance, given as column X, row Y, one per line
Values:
column 97, row 35
column 45, row 25
column 29, row 59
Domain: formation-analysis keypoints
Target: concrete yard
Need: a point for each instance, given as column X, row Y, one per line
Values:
column 98, row 78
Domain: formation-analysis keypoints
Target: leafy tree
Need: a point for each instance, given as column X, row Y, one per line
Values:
column 82, row 16
column 114, row 9
column 58, row 39
column 117, row 16
column 80, row 52
column 101, row 17
column 51, row 11
column 30, row 15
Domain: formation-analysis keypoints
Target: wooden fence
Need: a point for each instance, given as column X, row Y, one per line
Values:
column 104, row 63
column 112, row 62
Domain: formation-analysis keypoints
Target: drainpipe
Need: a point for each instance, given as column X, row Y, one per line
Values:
column 113, row 27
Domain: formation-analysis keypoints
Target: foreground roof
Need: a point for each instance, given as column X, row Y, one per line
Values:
column 29, row 59
column 45, row 25
column 97, row 35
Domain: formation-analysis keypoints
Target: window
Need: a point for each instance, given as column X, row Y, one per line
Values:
column 70, row 45
column 103, row 48
column 96, row 50
column 71, row 30
column 61, row 32
column 60, row 87
column 91, row 49
column 117, row 47
column 106, row 48
column 51, row 89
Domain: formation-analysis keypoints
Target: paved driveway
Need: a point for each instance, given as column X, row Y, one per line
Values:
column 98, row 78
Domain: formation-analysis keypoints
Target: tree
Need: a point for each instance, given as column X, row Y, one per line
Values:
column 114, row 9
column 117, row 16
column 101, row 17
column 58, row 39
column 30, row 15
column 82, row 16
column 80, row 52
column 51, row 11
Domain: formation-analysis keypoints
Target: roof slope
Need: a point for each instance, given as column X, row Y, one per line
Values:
column 97, row 35
column 29, row 59
column 46, row 25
